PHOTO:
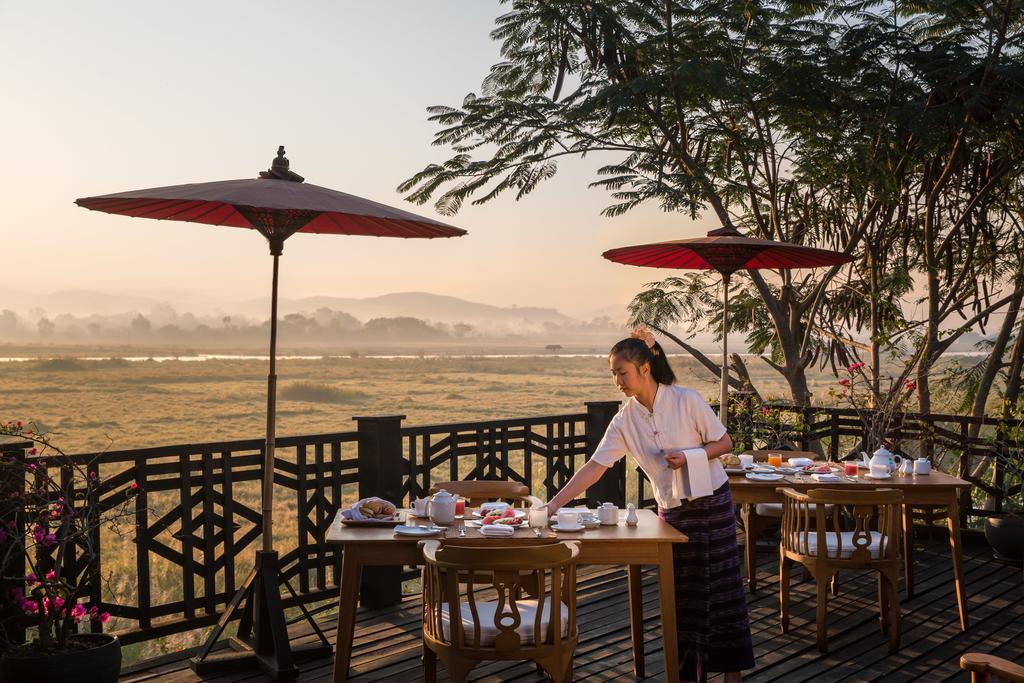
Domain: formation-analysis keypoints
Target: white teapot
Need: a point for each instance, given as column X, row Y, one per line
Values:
column 442, row 508
column 883, row 457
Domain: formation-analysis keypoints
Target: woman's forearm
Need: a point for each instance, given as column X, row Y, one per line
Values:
column 717, row 448
column 587, row 476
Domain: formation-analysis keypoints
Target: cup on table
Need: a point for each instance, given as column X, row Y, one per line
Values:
column 850, row 469
column 538, row 517
column 746, row 460
column 608, row 513
column 420, row 506
column 879, row 471
column 460, row 506
column 922, row 466
column 567, row 518
column 775, row 459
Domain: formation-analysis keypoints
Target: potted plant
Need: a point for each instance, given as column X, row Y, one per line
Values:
column 51, row 511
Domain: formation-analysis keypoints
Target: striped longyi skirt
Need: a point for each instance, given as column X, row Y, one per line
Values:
column 711, row 603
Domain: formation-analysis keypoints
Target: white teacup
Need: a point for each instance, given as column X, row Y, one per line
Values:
column 538, row 517
column 922, row 466
column 746, row 460
column 879, row 471
column 568, row 519
column 608, row 514
column 420, row 507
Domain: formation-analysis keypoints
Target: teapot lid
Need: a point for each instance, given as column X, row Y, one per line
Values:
column 883, row 451
column 441, row 493
column 607, row 505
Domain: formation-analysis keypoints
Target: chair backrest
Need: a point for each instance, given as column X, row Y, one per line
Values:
column 477, row 491
column 876, row 519
column 452, row 574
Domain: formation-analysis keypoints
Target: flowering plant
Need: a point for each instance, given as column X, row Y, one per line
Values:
column 50, row 525
column 881, row 410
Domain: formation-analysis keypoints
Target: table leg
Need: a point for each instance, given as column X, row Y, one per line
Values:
column 953, row 520
column 908, row 550
column 748, row 515
column 636, row 619
column 667, row 588
column 351, row 574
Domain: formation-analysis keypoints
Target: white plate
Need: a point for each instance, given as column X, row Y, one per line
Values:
column 875, row 476
column 417, row 530
column 521, row 514
column 786, row 470
column 578, row 527
column 757, row 476
column 763, row 469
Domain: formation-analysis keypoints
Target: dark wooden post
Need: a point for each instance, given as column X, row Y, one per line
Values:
column 611, row 488
column 12, row 482
column 380, row 474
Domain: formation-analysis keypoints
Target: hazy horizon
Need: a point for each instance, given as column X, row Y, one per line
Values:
column 121, row 95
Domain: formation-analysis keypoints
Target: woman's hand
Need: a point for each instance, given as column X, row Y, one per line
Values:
column 675, row 459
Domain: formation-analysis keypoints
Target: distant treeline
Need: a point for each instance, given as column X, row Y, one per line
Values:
column 323, row 325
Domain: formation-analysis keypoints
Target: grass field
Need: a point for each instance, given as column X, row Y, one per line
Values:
column 94, row 405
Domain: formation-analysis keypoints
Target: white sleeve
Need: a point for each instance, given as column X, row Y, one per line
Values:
column 707, row 423
column 613, row 446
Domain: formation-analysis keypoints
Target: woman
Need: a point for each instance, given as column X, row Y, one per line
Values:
column 661, row 426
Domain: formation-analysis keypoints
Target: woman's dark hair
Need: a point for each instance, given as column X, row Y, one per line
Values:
column 636, row 352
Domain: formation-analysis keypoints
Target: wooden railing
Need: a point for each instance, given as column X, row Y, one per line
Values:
column 198, row 516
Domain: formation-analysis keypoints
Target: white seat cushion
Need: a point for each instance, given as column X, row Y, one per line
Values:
column 775, row 509
column 831, row 544
column 488, row 631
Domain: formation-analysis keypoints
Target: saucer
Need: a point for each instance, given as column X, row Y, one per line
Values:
column 578, row 527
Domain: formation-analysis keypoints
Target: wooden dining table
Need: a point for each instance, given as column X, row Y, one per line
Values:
column 648, row 543
column 934, row 489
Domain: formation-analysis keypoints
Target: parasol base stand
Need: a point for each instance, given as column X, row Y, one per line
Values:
column 262, row 639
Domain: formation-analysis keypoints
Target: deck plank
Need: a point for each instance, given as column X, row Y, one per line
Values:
column 387, row 642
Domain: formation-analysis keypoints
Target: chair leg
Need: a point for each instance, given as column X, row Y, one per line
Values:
column 785, row 567
column 895, row 630
column 835, row 584
column 429, row 665
column 822, row 611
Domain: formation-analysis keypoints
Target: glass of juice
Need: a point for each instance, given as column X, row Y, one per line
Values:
column 850, row 468
column 460, row 506
column 775, row 459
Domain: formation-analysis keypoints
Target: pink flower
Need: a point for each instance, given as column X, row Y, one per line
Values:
column 78, row 611
column 844, row 382
column 855, row 366
column 104, row 617
column 33, row 451
column 910, row 385
column 135, row 486
column 31, row 579
column 51, row 575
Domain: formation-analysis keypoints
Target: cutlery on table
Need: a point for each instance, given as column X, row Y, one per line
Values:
column 462, row 530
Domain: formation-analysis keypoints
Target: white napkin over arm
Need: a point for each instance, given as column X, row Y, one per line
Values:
column 694, row 480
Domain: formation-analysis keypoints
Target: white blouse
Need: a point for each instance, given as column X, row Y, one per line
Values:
column 680, row 419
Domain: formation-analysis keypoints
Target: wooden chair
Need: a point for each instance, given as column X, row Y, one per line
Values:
column 477, row 491
column 984, row 667
column 763, row 516
column 873, row 544
column 542, row 630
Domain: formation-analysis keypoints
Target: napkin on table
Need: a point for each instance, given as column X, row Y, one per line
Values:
column 497, row 530
column 825, row 477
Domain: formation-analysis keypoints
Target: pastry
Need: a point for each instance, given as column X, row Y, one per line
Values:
column 730, row 460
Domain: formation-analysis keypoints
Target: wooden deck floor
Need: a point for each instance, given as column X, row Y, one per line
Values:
column 387, row 645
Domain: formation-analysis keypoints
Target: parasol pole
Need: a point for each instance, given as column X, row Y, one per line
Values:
column 276, row 247
column 723, row 410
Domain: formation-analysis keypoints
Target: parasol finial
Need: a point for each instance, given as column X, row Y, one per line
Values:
column 727, row 230
column 279, row 169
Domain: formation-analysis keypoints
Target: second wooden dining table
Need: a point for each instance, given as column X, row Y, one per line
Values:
column 648, row 543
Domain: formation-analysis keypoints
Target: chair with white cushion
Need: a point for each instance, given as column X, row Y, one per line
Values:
column 873, row 544
column 541, row 629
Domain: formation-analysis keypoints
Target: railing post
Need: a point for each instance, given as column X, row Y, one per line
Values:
column 12, row 484
column 611, row 488
column 380, row 474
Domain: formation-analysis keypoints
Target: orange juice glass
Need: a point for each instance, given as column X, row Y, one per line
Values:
column 775, row 459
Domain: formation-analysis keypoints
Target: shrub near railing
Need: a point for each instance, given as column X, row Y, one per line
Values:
column 198, row 512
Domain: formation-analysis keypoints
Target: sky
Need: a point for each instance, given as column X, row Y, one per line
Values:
column 117, row 95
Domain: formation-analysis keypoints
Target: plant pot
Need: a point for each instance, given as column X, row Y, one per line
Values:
column 95, row 657
column 1006, row 536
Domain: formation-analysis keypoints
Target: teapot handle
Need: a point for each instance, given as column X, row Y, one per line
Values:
column 898, row 459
